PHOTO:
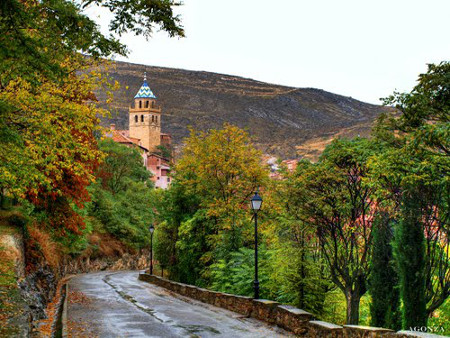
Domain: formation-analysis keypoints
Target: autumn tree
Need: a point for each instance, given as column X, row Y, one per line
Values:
column 47, row 108
column 223, row 169
column 51, row 153
column 214, row 179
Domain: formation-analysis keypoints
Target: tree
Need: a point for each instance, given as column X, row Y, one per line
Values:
column 121, row 165
column 165, row 151
column 174, row 206
column 223, row 169
column 337, row 201
column 236, row 274
column 37, row 37
column 383, row 283
column 299, row 272
column 47, row 108
column 205, row 207
column 48, row 151
column 410, row 250
column 123, row 198
column 413, row 173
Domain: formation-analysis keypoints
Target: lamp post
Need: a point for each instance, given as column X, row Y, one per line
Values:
column 151, row 228
column 256, row 205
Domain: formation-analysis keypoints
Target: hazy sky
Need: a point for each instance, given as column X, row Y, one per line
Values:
column 358, row 48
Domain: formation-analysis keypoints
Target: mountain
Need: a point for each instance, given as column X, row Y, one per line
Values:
column 282, row 121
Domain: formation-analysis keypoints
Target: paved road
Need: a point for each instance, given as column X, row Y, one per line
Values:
column 117, row 304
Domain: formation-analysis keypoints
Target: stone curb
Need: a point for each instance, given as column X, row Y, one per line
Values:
column 64, row 332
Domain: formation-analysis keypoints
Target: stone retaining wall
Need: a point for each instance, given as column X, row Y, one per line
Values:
column 288, row 317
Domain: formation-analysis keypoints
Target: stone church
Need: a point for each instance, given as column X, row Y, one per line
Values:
column 144, row 132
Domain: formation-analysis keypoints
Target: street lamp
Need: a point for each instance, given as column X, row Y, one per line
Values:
column 151, row 228
column 256, row 205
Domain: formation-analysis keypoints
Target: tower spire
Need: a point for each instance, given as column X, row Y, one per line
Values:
column 145, row 91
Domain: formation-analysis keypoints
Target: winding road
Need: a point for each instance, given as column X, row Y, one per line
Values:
column 117, row 304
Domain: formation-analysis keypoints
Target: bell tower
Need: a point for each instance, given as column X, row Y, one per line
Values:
column 145, row 118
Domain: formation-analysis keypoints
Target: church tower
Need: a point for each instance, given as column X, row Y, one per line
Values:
column 145, row 118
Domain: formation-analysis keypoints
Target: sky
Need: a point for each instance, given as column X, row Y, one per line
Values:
column 359, row 48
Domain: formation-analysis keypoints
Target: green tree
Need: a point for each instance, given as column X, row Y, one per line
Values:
column 337, row 201
column 123, row 198
column 299, row 274
column 37, row 37
column 120, row 165
column 413, row 173
column 383, row 283
column 165, row 151
column 410, row 252
column 236, row 275
column 174, row 207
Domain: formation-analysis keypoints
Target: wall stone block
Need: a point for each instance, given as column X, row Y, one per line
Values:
column 265, row 310
column 355, row 331
column 319, row 329
column 293, row 319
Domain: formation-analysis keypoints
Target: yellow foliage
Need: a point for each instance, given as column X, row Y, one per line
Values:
column 223, row 168
column 51, row 133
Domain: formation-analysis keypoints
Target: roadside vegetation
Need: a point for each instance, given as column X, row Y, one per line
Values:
column 361, row 236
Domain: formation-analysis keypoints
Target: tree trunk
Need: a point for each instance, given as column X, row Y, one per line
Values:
column 353, row 299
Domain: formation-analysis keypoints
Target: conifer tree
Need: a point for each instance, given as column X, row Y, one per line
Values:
column 385, row 306
column 410, row 254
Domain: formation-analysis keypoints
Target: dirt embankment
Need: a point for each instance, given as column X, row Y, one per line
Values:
column 30, row 285
column 13, row 306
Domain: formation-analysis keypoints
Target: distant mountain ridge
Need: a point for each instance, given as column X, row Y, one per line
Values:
column 283, row 121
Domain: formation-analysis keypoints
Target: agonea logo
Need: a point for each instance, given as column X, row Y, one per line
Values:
column 430, row 329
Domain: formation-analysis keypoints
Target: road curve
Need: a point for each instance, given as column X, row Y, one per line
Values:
column 117, row 304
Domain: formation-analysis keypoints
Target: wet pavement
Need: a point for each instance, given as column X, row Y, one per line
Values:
column 117, row 304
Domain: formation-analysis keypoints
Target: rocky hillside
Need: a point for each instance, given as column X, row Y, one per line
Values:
column 282, row 121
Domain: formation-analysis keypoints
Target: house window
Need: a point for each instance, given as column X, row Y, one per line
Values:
column 156, row 119
column 146, row 104
column 153, row 104
column 136, row 118
column 142, row 118
column 153, row 118
column 140, row 104
column 168, row 179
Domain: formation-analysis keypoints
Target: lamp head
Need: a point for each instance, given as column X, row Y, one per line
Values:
column 151, row 228
column 256, row 202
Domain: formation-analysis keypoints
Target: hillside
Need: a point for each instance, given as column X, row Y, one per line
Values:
column 283, row 121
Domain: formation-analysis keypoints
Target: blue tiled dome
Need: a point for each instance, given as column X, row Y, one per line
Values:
column 145, row 91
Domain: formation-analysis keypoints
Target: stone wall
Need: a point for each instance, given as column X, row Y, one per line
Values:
column 288, row 317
